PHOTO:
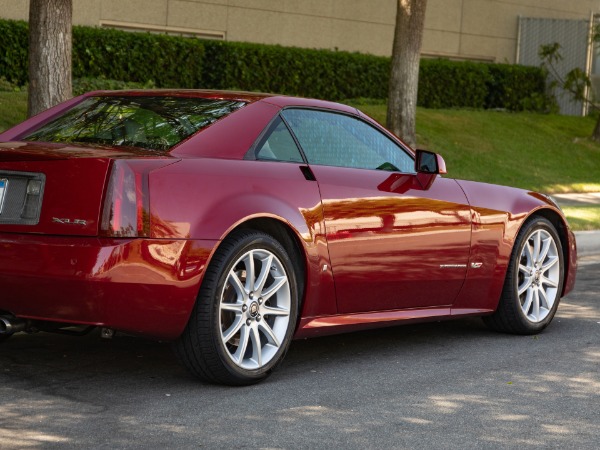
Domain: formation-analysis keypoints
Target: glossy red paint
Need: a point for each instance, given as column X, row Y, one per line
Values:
column 231, row 138
column 283, row 101
column 386, row 238
column 142, row 286
column 273, row 191
column 323, row 326
column 379, row 247
column 494, row 233
column 75, row 183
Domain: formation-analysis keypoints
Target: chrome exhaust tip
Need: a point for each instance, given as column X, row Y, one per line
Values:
column 11, row 325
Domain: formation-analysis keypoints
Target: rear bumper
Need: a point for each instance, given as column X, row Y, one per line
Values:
column 141, row 286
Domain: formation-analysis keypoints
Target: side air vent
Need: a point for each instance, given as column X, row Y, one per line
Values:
column 21, row 197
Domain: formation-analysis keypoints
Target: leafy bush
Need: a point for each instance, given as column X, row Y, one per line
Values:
column 451, row 84
column 168, row 61
column 13, row 51
column 7, row 86
column 516, row 88
column 101, row 56
column 289, row 70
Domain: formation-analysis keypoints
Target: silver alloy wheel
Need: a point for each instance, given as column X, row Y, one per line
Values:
column 254, row 309
column 539, row 275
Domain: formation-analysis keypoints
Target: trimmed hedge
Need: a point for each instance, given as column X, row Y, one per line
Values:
column 13, row 51
column 517, row 88
column 448, row 84
column 289, row 70
column 168, row 61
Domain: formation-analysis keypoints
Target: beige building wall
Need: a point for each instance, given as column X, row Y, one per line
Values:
column 461, row 29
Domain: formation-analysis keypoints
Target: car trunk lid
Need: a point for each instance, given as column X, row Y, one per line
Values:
column 54, row 188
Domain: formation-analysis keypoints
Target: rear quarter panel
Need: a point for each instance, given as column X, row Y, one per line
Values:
column 211, row 197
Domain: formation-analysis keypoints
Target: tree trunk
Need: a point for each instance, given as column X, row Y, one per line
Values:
column 404, row 76
column 49, row 53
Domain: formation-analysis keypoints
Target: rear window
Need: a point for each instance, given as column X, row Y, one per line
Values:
column 154, row 123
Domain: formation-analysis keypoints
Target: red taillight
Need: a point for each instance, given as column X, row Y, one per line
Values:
column 126, row 211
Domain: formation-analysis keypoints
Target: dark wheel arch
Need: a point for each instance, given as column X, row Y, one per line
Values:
column 290, row 241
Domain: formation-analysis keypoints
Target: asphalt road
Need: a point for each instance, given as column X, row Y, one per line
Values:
column 444, row 385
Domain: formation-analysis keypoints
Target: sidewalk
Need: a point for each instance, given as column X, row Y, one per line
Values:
column 588, row 242
column 591, row 198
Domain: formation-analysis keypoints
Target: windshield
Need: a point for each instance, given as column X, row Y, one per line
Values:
column 154, row 123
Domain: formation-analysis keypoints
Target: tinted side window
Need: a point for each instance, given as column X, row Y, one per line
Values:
column 279, row 145
column 332, row 139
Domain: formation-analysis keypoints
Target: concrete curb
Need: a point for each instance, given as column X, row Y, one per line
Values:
column 588, row 243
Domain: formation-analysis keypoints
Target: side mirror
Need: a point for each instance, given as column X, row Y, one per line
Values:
column 429, row 162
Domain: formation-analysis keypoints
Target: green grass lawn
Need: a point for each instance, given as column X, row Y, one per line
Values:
column 583, row 218
column 547, row 153
column 13, row 108
column 542, row 152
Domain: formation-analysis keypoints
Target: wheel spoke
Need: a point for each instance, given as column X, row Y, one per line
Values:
column 553, row 260
column 233, row 307
column 264, row 273
column 543, row 299
column 536, row 305
column 233, row 329
column 546, row 246
column 525, row 285
column 528, row 301
column 241, row 351
column 249, row 263
column 527, row 251
column 279, row 282
column 270, row 311
column 256, row 346
column 268, row 332
column 548, row 282
column 525, row 269
column 536, row 245
column 237, row 284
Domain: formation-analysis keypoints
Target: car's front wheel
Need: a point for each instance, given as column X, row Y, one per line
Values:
column 246, row 311
column 534, row 281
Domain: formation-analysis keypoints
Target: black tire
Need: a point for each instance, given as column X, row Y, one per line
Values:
column 4, row 337
column 517, row 314
column 206, row 348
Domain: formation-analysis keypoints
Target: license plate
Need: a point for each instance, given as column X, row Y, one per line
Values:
column 3, row 185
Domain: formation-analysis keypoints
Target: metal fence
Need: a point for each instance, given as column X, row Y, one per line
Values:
column 576, row 48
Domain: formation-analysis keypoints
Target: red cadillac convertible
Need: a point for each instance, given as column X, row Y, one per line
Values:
column 232, row 222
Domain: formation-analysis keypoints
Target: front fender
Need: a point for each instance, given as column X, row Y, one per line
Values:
column 497, row 214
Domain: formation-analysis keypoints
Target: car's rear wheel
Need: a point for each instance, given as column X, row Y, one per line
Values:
column 246, row 311
column 534, row 281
